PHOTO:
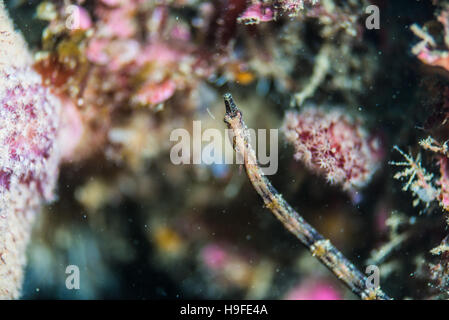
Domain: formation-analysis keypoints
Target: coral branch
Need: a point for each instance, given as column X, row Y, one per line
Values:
column 320, row 247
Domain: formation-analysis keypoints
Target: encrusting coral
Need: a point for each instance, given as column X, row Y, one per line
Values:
column 334, row 145
column 29, row 152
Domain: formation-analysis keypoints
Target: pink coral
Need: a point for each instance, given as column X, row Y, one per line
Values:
column 29, row 159
column 71, row 129
column 313, row 290
column 29, row 152
column 84, row 20
column 264, row 11
column 29, row 118
column 426, row 50
column 257, row 13
column 334, row 145
column 154, row 94
column 117, row 21
column 443, row 196
column 214, row 256
column 228, row 267
column 292, row 7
